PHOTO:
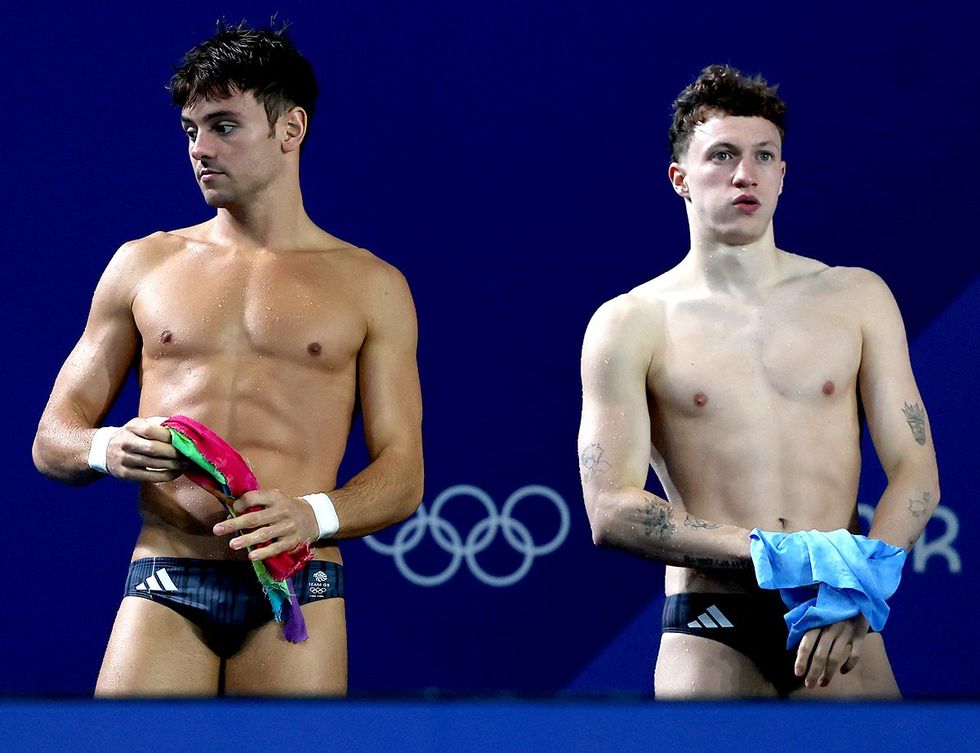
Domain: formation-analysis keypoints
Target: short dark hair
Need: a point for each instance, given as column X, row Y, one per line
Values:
column 721, row 89
column 240, row 59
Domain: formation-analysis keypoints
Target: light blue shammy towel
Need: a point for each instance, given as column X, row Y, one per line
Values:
column 851, row 574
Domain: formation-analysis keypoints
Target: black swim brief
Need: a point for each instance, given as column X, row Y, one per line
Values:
column 223, row 598
column 751, row 623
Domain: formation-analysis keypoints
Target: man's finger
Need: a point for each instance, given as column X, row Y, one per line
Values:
column 239, row 523
column 136, row 460
column 855, row 657
column 147, row 475
column 150, row 428
column 804, row 651
column 818, row 660
column 839, row 653
column 276, row 547
column 252, row 499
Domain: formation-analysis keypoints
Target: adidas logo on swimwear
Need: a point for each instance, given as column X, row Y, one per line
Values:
column 711, row 618
column 159, row 581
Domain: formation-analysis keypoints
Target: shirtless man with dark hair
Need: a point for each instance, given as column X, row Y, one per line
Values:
column 267, row 329
column 736, row 375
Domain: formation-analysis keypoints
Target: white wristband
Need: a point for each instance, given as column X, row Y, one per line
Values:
column 100, row 446
column 326, row 515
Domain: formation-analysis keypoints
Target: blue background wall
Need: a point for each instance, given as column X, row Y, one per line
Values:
column 510, row 159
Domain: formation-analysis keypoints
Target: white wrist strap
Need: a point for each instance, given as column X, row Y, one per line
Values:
column 100, row 446
column 326, row 515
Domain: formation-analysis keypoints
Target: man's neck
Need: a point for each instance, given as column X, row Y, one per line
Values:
column 736, row 269
column 276, row 220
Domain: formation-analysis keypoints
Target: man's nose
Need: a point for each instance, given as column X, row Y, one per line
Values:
column 201, row 147
column 744, row 174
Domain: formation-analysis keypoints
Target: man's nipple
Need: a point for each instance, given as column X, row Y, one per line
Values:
column 314, row 349
column 700, row 399
column 828, row 388
column 166, row 336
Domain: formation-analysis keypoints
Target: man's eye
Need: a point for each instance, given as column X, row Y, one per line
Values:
column 765, row 156
column 721, row 156
column 190, row 133
column 224, row 128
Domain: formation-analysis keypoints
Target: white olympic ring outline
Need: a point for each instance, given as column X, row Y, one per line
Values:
column 478, row 539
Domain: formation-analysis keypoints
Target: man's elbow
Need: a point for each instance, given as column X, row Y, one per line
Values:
column 600, row 519
column 42, row 456
column 413, row 489
column 46, row 459
column 37, row 455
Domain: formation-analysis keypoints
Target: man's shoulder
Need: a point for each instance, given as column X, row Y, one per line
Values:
column 636, row 306
column 364, row 264
column 366, row 270
column 630, row 323
column 797, row 266
column 850, row 282
column 140, row 254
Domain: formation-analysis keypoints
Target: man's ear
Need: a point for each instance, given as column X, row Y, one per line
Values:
column 294, row 130
column 678, row 179
column 782, row 178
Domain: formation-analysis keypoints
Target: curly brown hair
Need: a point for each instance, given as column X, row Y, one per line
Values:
column 721, row 89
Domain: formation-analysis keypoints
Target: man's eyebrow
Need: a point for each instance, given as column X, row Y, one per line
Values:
column 734, row 148
column 212, row 116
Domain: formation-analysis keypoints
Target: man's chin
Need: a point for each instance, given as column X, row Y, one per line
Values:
column 217, row 200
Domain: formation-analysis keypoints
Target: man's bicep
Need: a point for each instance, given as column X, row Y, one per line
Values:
column 614, row 436
column 94, row 371
column 896, row 414
column 389, row 379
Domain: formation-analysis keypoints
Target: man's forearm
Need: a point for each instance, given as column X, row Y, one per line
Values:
column 386, row 492
column 640, row 522
column 906, row 505
column 60, row 451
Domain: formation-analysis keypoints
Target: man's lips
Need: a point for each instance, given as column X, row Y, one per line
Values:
column 208, row 173
column 746, row 203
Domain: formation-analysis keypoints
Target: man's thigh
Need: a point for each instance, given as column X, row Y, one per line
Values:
column 269, row 665
column 691, row 667
column 155, row 651
column 871, row 679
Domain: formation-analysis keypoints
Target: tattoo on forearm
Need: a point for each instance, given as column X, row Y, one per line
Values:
column 658, row 520
column 919, row 507
column 591, row 462
column 691, row 522
column 715, row 563
column 916, row 418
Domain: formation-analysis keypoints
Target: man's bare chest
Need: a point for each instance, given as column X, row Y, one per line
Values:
column 729, row 355
column 230, row 308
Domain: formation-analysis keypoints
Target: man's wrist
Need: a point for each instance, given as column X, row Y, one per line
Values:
column 98, row 450
column 326, row 515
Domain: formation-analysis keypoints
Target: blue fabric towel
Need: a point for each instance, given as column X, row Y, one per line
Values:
column 827, row 577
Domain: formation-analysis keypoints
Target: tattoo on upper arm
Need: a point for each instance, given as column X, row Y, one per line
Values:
column 691, row 522
column 658, row 520
column 916, row 418
column 918, row 507
column 591, row 462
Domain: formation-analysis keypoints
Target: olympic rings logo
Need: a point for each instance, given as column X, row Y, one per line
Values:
column 479, row 538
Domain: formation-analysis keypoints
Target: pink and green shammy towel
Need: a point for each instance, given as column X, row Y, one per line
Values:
column 226, row 476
